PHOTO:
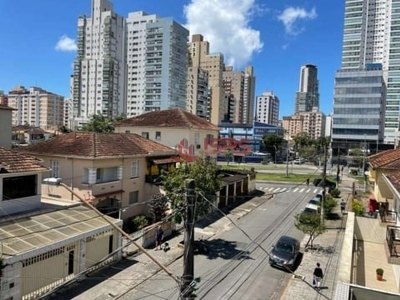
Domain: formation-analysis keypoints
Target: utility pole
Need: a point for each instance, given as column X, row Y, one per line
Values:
column 188, row 256
column 324, row 186
column 287, row 161
column 338, row 169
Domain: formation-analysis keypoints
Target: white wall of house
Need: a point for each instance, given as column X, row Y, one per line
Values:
column 173, row 136
column 33, row 273
column 114, row 175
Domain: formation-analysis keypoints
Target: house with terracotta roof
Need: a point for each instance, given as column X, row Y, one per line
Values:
column 43, row 248
column 383, row 163
column 188, row 134
column 111, row 170
column 5, row 126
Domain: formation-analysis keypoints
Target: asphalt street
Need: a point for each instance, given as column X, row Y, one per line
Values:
column 237, row 267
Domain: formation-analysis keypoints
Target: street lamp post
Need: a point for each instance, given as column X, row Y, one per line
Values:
column 57, row 181
column 275, row 153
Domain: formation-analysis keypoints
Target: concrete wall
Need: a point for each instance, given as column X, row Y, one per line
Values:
column 5, row 128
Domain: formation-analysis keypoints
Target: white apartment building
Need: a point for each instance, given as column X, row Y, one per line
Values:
column 241, row 86
column 267, row 111
column 100, row 67
column 157, row 63
column 213, row 64
column 36, row 107
column 372, row 35
column 68, row 119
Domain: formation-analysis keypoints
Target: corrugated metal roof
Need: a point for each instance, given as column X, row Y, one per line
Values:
column 34, row 232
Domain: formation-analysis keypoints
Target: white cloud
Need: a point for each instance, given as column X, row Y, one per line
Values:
column 225, row 24
column 66, row 44
column 291, row 15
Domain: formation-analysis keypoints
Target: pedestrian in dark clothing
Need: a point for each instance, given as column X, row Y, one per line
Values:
column 159, row 238
column 317, row 276
column 308, row 181
column 342, row 206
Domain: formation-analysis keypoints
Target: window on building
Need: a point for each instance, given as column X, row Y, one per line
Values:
column 135, row 169
column 158, row 135
column 145, row 135
column 133, row 197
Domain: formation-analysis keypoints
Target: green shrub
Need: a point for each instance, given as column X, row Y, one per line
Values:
column 357, row 207
column 379, row 271
column 335, row 193
column 140, row 222
column 329, row 204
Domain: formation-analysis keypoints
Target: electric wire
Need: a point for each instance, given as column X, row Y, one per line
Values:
column 260, row 246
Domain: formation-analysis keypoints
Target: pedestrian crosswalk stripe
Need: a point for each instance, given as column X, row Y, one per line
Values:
column 302, row 190
column 316, row 191
column 295, row 190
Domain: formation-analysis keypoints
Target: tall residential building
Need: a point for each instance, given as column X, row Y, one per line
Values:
column 313, row 123
column 68, row 119
column 307, row 97
column 198, row 93
column 268, row 108
column 372, row 35
column 128, row 65
column 213, row 64
column 241, row 85
column 100, row 66
column 36, row 107
column 157, row 63
column 3, row 98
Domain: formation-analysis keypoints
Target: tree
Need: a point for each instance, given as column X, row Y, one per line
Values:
column 208, row 182
column 309, row 224
column 99, row 123
column 228, row 156
column 64, row 129
column 158, row 207
column 301, row 142
column 272, row 142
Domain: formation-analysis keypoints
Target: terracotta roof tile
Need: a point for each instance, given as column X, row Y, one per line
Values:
column 90, row 144
column 14, row 162
column 175, row 117
column 394, row 178
column 389, row 159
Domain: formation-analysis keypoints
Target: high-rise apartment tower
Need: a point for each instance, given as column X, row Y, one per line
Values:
column 307, row 97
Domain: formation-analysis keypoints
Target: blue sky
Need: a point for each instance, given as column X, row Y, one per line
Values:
column 276, row 37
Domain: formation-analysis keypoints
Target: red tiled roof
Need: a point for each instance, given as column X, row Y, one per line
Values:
column 90, row 144
column 394, row 178
column 175, row 117
column 14, row 162
column 389, row 159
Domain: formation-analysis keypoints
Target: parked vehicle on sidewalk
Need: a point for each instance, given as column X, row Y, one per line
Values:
column 285, row 252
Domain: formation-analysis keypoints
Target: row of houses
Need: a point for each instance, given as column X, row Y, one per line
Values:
column 47, row 235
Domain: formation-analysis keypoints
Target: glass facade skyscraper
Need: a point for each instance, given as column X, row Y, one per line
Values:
column 359, row 106
column 372, row 36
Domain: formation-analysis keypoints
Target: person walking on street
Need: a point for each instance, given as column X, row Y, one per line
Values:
column 317, row 276
column 308, row 181
column 342, row 206
column 159, row 238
